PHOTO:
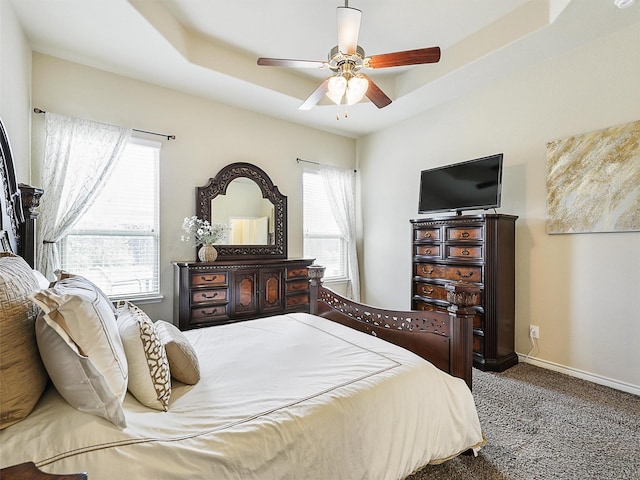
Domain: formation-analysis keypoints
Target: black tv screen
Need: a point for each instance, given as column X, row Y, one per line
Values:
column 471, row 185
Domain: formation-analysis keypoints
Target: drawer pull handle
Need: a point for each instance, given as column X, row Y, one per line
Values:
column 210, row 312
column 427, row 272
column 427, row 251
column 464, row 275
column 427, row 291
column 465, row 252
column 213, row 295
column 427, row 235
column 464, row 234
column 208, row 279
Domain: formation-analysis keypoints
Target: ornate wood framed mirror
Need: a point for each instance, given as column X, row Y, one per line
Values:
column 244, row 197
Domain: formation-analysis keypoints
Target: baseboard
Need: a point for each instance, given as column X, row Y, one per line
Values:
column 573, row 372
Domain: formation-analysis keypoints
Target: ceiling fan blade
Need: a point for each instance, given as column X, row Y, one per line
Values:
column 316, row 96
column 282, row 62
column 348, row 29
column 408, row 57
column 377, row 96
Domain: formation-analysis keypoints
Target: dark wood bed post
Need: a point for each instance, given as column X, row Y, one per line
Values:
column 443, row 338
column 30, row 201
column 462, row 297
column 316, row 272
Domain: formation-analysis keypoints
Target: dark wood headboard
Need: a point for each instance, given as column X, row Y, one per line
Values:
column 18, row 203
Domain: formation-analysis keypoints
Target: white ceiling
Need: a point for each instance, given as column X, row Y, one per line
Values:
column 209, row 47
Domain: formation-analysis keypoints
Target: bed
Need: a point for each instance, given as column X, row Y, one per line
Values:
column 342, row 392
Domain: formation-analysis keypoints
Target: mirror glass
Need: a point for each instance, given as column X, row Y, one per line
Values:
column 244, row 209
column 242, row 195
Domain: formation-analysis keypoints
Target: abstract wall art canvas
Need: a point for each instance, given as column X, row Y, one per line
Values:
column 593, row 181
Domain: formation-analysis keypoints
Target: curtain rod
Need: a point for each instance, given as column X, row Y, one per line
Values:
column 168, row 137
column 314, row 163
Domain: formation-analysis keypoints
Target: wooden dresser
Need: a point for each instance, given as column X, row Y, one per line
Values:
column 478, row 249
column 229, row 291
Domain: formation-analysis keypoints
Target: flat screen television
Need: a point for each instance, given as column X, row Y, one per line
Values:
column 472, row 185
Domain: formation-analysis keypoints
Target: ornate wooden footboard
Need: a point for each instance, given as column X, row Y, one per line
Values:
column 444, row 339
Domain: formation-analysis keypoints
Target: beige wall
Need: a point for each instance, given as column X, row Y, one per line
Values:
column 209, row 136
column 15, row 88
column 580, row 289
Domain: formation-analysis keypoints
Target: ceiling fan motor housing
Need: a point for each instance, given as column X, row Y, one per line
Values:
column 344, row 63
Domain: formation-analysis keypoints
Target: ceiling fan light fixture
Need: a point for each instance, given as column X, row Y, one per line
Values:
column 356, row 89
column 336, row 88
column 345, row 61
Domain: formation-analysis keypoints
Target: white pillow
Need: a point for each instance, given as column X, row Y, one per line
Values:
column 64, row 275
column 42, row 280
column 149, row 375
column 84, row 313
column 74, row 375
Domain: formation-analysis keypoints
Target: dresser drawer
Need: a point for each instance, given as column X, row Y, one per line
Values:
column 428, row 270
column 298, row 300
column 427, row 250
column 428, row 307
column 464, row 252
column 460, row 273
column 436, row 292
column 297, row 273
column 469, row 233
column 297, row 286
column 211, row 313
column 209, row 279
column 427, row 234
column 449, row 272
column 209, row 296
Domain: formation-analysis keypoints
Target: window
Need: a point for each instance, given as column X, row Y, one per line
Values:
column 116, row 242
column 322, row 239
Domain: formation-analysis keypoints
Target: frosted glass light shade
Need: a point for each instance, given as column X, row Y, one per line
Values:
column 337, row 87
column 356, row 89
column 348, row 29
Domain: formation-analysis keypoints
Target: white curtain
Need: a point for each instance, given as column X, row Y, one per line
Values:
column 339, row 183
column 78, row 158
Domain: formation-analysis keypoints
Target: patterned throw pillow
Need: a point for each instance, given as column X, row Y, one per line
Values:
column 22, row 375
column 183, row 360
column 149, row 374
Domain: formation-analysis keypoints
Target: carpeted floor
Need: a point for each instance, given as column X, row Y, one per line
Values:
column 542, row 424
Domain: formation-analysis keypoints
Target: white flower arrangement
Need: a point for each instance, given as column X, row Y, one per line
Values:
column 202, row 231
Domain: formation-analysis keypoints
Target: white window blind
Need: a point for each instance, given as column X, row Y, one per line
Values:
column 116, row 242
column 322, row 238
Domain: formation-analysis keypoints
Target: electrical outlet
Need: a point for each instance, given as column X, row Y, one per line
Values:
column 534, row 331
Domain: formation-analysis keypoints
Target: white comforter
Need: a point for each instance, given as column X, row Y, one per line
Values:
column 287, row 397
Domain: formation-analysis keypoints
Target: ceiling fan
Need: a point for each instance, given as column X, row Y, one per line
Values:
column 347, row 59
